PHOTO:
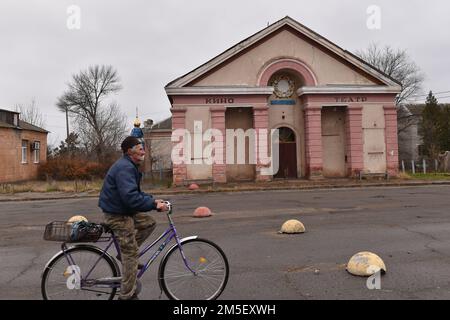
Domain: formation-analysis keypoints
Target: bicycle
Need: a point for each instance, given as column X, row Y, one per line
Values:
column 85, row 271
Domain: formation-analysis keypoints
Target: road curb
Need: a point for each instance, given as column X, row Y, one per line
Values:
column 245, row 189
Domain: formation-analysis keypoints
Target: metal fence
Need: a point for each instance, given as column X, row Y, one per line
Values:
column 423, row 166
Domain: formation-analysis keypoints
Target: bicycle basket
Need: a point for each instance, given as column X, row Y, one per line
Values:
column 79, row 231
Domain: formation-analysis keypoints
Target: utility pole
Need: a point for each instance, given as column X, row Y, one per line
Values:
column 67, row 123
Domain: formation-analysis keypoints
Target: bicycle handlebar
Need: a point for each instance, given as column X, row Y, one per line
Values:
column 169, row 206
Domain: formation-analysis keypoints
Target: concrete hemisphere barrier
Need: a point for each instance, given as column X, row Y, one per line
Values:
column 365, row 264
column 292, row 227
column 77, row 218
column 193, row 186
column 202, row 212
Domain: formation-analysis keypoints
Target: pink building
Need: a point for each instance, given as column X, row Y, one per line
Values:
column 336, row 114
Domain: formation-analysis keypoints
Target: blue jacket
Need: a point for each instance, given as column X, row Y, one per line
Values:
column 121, row 192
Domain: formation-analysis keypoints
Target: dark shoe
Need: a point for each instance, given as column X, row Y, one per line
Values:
column 140, row 265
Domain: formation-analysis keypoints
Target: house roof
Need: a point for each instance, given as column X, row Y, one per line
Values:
column 286, row 21
column 28, row 126
column 23, row 126
column 8, row 110
column 163, row 125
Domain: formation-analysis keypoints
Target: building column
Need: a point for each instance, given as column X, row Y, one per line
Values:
column 179, row 171
column 354, row 140
column 313, row 141
column 261, row 122
column 391, row 136
column 218, row 122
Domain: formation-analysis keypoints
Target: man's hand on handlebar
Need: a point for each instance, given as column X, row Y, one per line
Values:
column 161, row 205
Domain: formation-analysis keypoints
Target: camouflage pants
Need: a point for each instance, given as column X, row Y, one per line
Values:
column 131, row 232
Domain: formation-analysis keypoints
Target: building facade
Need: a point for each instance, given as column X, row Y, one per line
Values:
column 409, row 139
column 158, row 147
column 23, row 148
column 336, row 114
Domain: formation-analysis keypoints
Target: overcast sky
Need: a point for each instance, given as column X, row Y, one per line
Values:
column 150, row 43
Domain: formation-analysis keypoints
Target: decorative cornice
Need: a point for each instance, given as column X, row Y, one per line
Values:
column 349, row 90
column 178, row 110
column 197, row 91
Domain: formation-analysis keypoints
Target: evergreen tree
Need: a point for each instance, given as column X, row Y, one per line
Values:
column 69, row 147
column 430, row 127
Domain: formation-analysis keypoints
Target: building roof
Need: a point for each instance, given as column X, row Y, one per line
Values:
column 23, row 126
column 163, row 125
column 8, row 110
column 28, row 126
column 285, row 22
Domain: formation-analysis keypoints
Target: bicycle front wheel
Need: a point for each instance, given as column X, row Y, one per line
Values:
column 204, row 279
column 80, row 273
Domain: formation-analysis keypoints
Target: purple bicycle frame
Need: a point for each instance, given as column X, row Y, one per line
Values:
column 167, row 235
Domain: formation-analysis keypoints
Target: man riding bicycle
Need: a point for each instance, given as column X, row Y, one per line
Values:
column 124, row 204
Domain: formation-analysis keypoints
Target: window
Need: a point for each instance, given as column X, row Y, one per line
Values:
column 37, row 151
column 24, row 151
column 16, row 120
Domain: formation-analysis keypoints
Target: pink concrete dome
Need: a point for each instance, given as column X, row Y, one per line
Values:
column 202, row 212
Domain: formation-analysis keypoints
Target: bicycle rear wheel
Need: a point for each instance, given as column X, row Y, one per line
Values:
column 210, row 266
column 80, row 280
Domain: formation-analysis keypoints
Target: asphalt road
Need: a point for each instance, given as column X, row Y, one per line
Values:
column 408, row 227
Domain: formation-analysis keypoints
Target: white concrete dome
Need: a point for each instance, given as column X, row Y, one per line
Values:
column 77, row 218
column 292, row 227
column 365, row 264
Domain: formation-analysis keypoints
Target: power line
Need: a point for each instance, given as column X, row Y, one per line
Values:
column 416, row 100
column 434, row 94
column 442, row 97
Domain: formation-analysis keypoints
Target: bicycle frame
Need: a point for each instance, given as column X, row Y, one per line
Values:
column 166, row 237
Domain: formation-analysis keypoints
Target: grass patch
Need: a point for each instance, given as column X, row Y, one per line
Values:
column 431, row 176
column 404, row 176
column 15, row 188
column 52, row 186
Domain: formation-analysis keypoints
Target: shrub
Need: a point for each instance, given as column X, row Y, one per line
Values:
column 64, row 168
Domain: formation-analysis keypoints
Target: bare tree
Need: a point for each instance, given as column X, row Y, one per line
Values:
column 100, row 124
column 31, row 114
column 111, row 122
column 398, row 65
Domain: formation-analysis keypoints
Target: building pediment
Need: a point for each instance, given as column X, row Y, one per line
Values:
column 244, row 64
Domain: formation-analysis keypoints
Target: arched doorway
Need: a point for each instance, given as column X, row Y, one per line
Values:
column 288, row 154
